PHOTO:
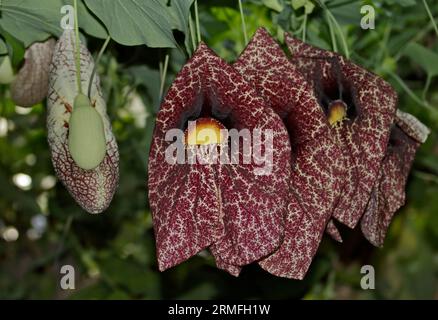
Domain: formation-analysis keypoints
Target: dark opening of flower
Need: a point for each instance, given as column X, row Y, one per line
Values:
column 233, row 208
column 364, row 132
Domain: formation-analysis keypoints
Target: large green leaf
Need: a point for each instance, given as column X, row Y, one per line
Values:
column 425, row 57
column 180, row 12
column 30, row 20
column 135, row 22
column 88, row 22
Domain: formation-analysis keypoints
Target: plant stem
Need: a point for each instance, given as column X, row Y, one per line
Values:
column 242, row 16
column 426, row 6
column 341, row 34
column 96, row 63
column 77, row 49
column 163, row 75
column 198, row 29
column 338, row 28
column 304, row 28
column 410, row 93
column 426, row 87
column 192, row 32
column 332, row 33
column 65, row 232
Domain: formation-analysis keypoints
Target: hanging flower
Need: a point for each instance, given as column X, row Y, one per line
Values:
column 388, row 194
column 94, row 188
column 32, row 81
column 317, row 163
column 235, row 207
column 360, row 108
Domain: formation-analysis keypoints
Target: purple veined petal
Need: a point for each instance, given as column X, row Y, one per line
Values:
column 388, row 194
column 317, row 175
column 31, row 84
column 226, row 207
column 364, row 134
column 333, row 231
column 93, row 189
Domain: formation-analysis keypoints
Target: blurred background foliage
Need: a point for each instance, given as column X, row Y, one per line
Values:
column 41, row 227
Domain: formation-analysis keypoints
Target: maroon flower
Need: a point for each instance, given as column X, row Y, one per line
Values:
column 388, row 194
column 317, row 163
column 361, row 108
column 198, row 205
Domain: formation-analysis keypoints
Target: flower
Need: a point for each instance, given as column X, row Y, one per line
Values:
column 32, row 81
column 92, row 189
column 388, row 195
column 361, row 107
column 228, row 207
column 317, row 163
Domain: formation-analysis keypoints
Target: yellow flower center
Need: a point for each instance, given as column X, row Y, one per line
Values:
column 205, row 131
column 337, row 112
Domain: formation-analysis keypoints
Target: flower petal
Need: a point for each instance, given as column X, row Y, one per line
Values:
column 363, row 139
column 226, row 206
column 31, row 84
column 317, row 168
column 333, row 231
column 388, row 194
column 93, row 189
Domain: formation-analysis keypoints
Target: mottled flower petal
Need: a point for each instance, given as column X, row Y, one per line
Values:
column 388, row 195
column 31, row 84
column 364, row 135
column 317, row 169
column 93, row 189
column 225, row 205
column 333, row 231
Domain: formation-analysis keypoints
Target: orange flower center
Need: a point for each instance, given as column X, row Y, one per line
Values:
column 205, row 131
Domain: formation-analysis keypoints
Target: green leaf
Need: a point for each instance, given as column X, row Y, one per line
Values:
column 30, row 20
column 296, row 4
column 407, row 3
column 423, row 56
column 179, row 12
column 3, row 47
column 135, row 22
column 273, row 4
column 88, row 22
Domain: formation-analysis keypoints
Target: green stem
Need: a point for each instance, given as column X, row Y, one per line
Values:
column 332, row 33
column 426, row 87
column 415, row 38
column 96, row 63
column 192, row 32
column 163, row 75
column 304, row 28
column 338, row 28
column 198, row 29
column 77, row 49
column 341, row 34
column 411, row 94
column 242, row 17
column 426, row 6
column 426, row 176
column 65, row 232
